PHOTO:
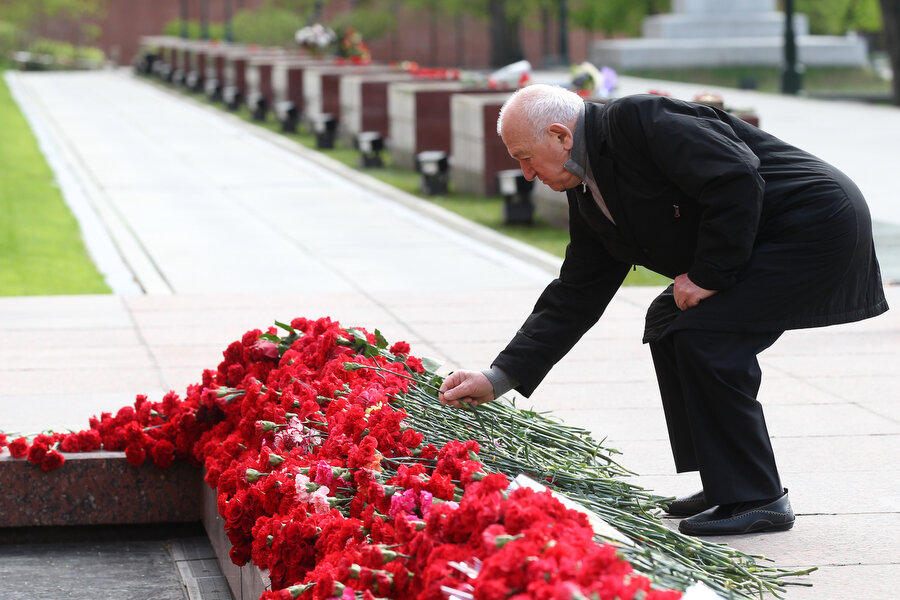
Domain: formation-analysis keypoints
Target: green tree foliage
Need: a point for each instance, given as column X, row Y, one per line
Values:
column 837, row 17
column 622, row 17
column 216, row 31
column 372, row 19
column 267, row 26
column 28, row 14
column 9, row 40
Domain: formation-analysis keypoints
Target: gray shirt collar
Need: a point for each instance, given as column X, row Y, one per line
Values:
column 578, row 155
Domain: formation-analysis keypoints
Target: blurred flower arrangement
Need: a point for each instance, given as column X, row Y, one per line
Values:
column 315, row 39
column 590, row 82
column 339, row 472
column 353, row 48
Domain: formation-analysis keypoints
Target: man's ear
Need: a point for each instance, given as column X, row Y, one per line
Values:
column 563, row 133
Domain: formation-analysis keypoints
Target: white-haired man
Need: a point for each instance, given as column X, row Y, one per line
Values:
column 758, row 237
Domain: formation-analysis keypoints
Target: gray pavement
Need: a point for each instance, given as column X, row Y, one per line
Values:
column 227, row 228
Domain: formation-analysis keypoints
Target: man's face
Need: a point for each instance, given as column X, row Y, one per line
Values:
column 542, row 158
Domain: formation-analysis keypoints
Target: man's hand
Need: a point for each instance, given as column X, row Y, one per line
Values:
column 688, row 294
column 466, row 388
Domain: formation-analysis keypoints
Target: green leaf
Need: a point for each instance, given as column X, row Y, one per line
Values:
column 287, row 328
column 380, row 340
column 430, row 364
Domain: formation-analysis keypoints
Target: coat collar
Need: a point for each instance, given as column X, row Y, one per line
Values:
column 596, row 131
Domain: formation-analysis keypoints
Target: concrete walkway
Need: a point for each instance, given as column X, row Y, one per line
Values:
column 228, row 228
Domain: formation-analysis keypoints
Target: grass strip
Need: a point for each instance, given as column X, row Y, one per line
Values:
column 41, row 248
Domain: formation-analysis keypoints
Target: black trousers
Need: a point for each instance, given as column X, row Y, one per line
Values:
column 709, row 381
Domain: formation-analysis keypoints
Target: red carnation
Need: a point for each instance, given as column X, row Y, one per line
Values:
column 135, row 455
column 18, row 448
column 400, row 348
column 163, row 454
column 415, row 364
column 37, row 451
column 52, row 460
column 264, row 349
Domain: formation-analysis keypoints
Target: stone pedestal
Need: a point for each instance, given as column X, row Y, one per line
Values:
column 321, row 86
column 235, row 69
column 712, row 33
column 478, row 153
column 97, row 488
column 550, row 205
column 247, row 582
column 419, row 116
column 364, row 103
column 287, row 78
column 215, row 62
column 259, row 73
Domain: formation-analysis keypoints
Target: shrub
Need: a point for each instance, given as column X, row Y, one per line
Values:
column 266, row 27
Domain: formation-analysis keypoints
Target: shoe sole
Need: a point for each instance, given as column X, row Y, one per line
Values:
column 752, row 529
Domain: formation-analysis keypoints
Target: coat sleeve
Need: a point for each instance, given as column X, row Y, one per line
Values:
column 700, row 153
column 567, row 308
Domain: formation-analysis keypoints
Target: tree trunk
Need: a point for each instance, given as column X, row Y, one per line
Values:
column 890, row 17
column 505, row 47
column 433, row 21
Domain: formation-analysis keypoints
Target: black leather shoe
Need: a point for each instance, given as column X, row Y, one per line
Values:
column 745, row 517
column 687, row 506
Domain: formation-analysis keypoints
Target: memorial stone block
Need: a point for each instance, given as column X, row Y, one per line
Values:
column 364, row 103
column 287, row 78
column 321, row 86
column 419, row 116
column 478, row 152
column 259, row 73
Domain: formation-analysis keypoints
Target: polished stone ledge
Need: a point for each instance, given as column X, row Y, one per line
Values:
column 97, row 488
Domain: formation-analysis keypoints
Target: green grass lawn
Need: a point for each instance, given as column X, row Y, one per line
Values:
column 768, row 79
column 41, row 249
column 487, row 211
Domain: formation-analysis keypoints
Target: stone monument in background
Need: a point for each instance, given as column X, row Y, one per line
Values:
column 716, row 33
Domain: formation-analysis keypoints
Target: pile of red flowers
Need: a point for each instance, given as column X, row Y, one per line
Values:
column 321, row 482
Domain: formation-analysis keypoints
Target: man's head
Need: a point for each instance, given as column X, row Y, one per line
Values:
column 536, row 123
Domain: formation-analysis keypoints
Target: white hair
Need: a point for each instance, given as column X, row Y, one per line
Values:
column 544, row 105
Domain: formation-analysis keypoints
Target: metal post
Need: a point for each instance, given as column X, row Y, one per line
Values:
column 204, row 19
column 229, row 37
column 563, row 33
column 792, row 77
column 184, row 19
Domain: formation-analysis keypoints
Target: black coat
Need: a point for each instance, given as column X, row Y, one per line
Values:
column 784, row 237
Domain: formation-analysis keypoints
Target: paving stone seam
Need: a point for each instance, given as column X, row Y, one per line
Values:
column 127, row 243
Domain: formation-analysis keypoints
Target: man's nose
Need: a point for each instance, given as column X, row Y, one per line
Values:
column 527, row 171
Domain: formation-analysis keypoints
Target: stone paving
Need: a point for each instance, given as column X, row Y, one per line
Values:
column 228, row 228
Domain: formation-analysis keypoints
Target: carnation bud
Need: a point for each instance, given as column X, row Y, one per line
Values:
column 253, row 475
column 504, row 539
column 265, row 426
column 297, row 590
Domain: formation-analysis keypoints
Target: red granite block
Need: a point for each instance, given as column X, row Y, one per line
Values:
column 265, row 82
column 433, row 116
column 97, row 488
column 331, row 93
column 496, row 156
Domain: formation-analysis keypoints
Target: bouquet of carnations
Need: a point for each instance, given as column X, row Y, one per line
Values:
column 339, row 472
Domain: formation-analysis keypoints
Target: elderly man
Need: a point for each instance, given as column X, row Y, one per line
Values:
column 758, row 236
